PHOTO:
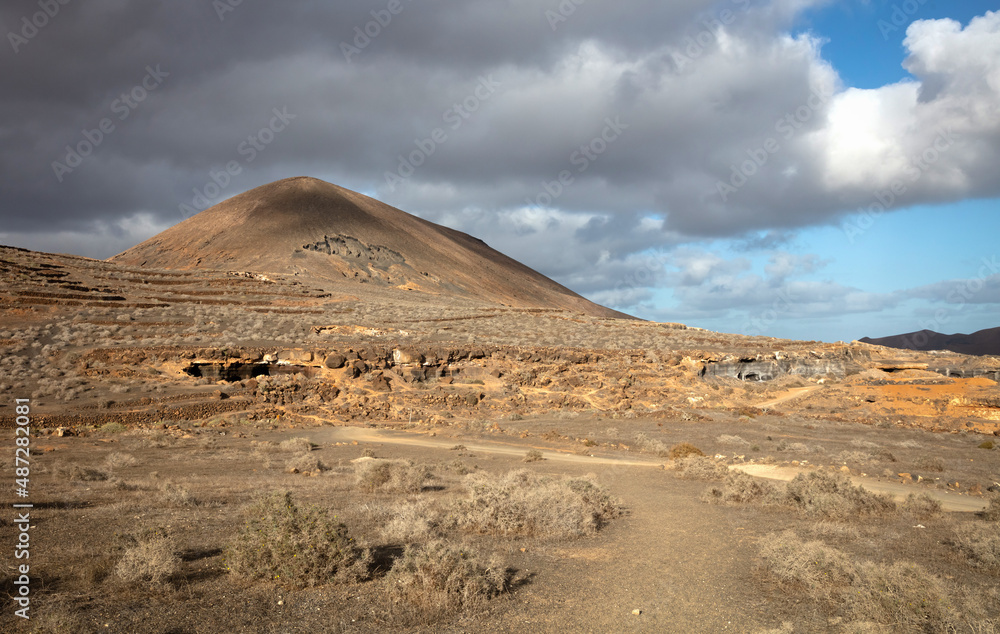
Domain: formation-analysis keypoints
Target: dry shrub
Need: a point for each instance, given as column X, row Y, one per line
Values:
column 815, row 493
column 992, row 512
column 922, row 507
column 459, row 467
column 151, row 439
column 533, row 456
column 980, row 543
column 901, row 595
column 177, row 494
column 700, row 468
column 396, row 476
column 299, row 546
column 929, row 463
column 113, row 428
column 818, row 567
column 117, row 460
column 150, row 559
column 295, row 445
column 522, row 503
column 305, row 463
column 76, row 473
column 412, row 521
column 726, row 439
column 740, row 488
column 651, row 445
column 835, row 497
column 292, row 445
column 683, row 450
column 436, row 579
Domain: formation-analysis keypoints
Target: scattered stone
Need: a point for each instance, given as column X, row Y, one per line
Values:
column 335, row 361
column 407, row 357
column 381, row 384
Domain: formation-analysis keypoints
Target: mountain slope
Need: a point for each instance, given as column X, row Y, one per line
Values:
column 308, row 227
column 984, row 342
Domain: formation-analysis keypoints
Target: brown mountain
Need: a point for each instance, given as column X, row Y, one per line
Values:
column 984, row 342
column 310, row 228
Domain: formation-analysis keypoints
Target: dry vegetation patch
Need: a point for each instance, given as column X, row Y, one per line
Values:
column 301, row 546
column 816, row 493
column 901, row 595
column 438, row 578
column 394, row 476
column 523, row 503
column 980, row 543
column 150, row 559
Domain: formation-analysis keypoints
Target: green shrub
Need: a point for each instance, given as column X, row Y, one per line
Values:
column 113, row 428
column 299, row 546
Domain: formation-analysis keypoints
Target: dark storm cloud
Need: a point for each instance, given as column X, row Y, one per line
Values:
column 612, row 129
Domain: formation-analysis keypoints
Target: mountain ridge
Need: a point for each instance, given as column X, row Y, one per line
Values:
column 981, row 343
column 308, row 227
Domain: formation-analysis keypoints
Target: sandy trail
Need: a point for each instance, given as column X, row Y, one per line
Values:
column 795, row 392
column 949, row 501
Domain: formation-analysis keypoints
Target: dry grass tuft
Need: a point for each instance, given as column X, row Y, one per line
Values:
column 979, row 542
column 922, row 507
column 437, row 579
column 835, row 497
column 410, row 522
column 533, row 456
column 397, row 476
column 901, row 596
column 992, row 512
column 118, row 460
column 305, row 463
column 150, row 559
column 295, row 445
column 683, row 450
column 740, row 488
column 700, row 468
column 76, row 473
column 522, row 503
column 300, row 546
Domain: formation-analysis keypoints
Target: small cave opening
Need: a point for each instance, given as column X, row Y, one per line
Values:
column 239, row 371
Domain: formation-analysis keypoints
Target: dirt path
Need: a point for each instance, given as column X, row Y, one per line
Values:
column 949, row 501
column 684, row 565
column 795, row 392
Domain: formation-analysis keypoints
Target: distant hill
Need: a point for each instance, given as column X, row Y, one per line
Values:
column 984, row 342
column 316, row 230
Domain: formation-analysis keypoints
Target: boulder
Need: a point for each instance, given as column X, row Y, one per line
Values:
column 407, row 357
column 335, row 361
column 381, row 384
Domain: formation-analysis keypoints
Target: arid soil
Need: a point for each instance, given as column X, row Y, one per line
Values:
column 160, row 400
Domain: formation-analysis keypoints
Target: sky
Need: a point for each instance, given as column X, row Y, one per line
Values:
column 807, row 169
